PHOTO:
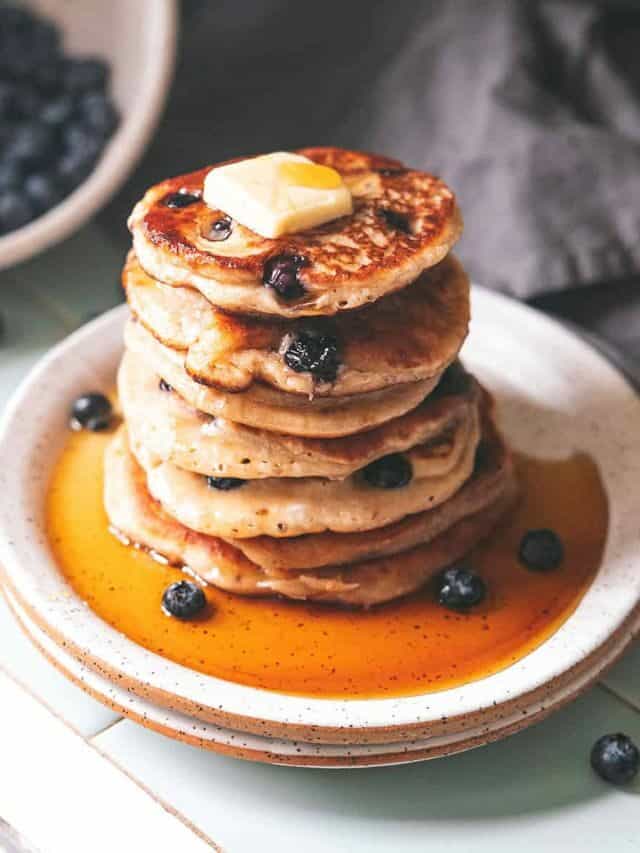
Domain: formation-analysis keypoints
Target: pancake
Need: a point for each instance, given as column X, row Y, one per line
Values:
column 275, row 411
column 279, row 507
column 404, row 222
column 137, row 519
column 404, row 337
column 492, row 476
column 173, row 431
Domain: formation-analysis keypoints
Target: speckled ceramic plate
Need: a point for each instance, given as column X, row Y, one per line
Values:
column 556, row 395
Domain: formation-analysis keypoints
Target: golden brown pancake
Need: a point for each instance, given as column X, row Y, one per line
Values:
column 404, row 337
column 276, row 411
column 281, row 506
column 492, row 474
column 404, row 221
column 175, row 432
column 138, row 519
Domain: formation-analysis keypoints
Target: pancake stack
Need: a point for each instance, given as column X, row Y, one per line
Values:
column 295, row 418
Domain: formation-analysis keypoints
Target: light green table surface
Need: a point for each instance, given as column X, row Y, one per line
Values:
column 531, row 792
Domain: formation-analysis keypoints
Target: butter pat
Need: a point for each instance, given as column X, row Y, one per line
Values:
column 277, row 194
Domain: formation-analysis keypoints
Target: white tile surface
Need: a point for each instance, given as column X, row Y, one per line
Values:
column 21, row 659
column 65, row 797
column 532, row 792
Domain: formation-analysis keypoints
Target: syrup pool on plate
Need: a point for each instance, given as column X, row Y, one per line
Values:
column 403, row 648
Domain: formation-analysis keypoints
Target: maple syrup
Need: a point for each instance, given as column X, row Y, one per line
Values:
column 399, row 649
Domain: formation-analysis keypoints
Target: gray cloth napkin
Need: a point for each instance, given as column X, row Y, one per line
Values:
column 531, row 110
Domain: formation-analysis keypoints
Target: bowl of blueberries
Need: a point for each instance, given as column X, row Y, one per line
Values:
column 82, row 85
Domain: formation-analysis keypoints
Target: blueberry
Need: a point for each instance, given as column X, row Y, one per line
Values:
column 84, row 75
column 16, row 59
column 47, row 76
column 455, row 380
column 27, row 103
column 32, row 144
column 42, row 191
column 396, row 220
column 181, row 199
column 615, row 758
column 58, row 111
column 15, row 21
column 43, row 42
column 15, row 210
column 74, row 167
column 483, row 456
column 281, row 273
column 459, row 588
column 541, row 550
column 6, row 99
column 183, row 600
column 164, row 386
column 392, row 172
column 220, row 229
column 80, row 138
column 225, row 484
column 10, row 176
column 389, row 472
column 311, row 350
column 91, row 411
column 99, row 113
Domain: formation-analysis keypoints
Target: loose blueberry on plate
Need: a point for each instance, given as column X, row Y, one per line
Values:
column 312, row 350
column 181, row 199
column 183, row 600
column 395, row 219
column 164, row 386
column 219, row 230
column 541, row 550
column 91, row 411
column 389, row 472
column 281, row 273
column 225, row 484
column 460, row 588
column 615, row 758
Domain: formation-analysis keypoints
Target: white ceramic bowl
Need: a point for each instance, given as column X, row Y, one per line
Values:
column 138, row 39
column 556, row 395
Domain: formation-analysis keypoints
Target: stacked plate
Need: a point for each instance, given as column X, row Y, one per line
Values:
column 552, row 405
